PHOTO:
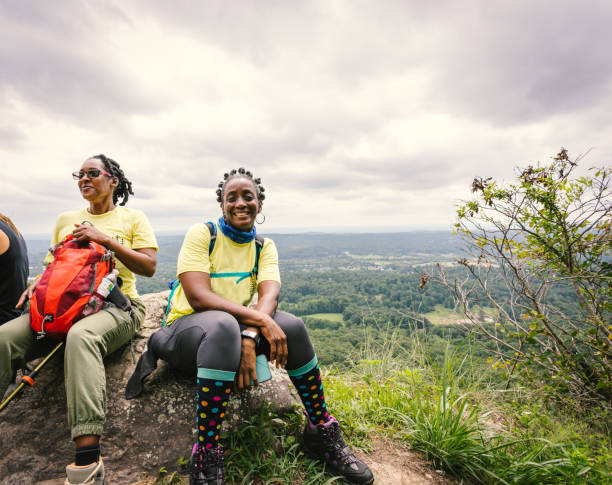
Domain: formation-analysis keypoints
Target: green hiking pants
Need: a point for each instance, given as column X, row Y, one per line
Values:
column 87, row 343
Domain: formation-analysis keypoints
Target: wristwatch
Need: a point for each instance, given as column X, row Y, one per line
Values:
column 251, row 334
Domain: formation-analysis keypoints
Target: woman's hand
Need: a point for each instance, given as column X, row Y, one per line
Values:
column 27, row 294
column 87, row 232
column 201, row 298
column 277, row 340
column 246, row 371
column 142, row 261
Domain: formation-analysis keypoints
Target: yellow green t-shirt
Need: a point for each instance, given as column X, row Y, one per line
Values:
column 128, row 226
column 226, row 257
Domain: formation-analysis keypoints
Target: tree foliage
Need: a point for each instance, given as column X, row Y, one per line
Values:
column 549, row 231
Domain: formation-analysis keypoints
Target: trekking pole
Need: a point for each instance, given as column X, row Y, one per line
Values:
column 29, row 379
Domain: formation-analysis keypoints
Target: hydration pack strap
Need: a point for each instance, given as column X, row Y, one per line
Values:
column 173, row 286
column 241, row 275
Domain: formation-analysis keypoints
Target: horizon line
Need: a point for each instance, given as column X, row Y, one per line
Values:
column 293, row 231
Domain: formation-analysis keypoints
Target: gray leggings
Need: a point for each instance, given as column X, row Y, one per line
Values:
column 212, row 340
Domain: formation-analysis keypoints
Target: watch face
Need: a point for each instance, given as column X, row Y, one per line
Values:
column 252, row 335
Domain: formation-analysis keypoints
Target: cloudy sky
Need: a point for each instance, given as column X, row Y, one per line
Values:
column 357, row 115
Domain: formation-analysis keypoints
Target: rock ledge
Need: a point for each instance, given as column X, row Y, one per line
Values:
column 142, row 434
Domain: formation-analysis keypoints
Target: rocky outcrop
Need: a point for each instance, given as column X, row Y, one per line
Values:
column 142, row 434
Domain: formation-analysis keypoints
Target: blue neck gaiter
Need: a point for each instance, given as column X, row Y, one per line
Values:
column 235, row 235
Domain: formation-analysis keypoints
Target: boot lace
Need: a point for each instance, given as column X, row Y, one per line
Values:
column 210, row 463
column 334, row 443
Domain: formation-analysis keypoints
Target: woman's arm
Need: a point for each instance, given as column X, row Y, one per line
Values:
column 5, row 242
column 28, row 292
column 200, row 296
column 267, row 296
column 142, row 261
column 196, row 286
column 267, row 301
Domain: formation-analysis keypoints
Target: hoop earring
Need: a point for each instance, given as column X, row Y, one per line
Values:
column 264, row 218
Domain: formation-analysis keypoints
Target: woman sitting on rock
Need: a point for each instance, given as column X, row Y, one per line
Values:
column 213, row 332
column 128, row 234
column 13, row 269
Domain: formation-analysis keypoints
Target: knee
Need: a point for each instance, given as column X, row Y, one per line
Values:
column 5, row 350
column 79, row 337
column 224, row 334
column 221, row 343
column 226, row 328
column 15, row 334
column 5, row 342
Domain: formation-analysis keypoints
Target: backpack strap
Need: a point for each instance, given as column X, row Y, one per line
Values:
column 259, row 243
column 213, row 236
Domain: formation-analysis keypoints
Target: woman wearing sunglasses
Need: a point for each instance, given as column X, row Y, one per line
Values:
column 213, row 333
column 129, row 235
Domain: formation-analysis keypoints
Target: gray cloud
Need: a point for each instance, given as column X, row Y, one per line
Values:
column 58, row 60
column 366, row 108
column 522, row 61
column 507, row 62
column 11, row 137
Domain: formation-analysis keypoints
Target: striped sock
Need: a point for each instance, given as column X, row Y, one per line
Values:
column 307, row 382
column 214, row 389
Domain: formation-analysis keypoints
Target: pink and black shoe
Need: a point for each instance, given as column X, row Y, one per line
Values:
column 325, row 442
column 206, row 466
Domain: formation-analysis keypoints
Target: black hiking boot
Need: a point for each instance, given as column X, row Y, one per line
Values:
column 206, row 466
column 325, row 442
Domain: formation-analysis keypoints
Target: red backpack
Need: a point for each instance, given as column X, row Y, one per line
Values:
column 66, row 286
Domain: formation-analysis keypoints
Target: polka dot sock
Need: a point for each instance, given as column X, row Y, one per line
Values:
column 310, row 389
column 213, row 396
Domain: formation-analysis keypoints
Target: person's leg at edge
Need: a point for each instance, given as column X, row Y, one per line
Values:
column 87, row 343
column 322, row 436
column 16, row 340
column 302, row 367
column 212, row 341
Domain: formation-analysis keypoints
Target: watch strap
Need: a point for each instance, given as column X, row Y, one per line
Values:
column 250, row 334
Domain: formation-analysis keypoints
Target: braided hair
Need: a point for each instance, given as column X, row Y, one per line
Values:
column 8, row 221
column 124, row 188
column 241, row 172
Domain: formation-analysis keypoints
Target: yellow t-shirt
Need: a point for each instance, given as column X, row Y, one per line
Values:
column 227, row 257
column 128, row 226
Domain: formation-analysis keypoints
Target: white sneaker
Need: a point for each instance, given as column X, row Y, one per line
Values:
column 85, row 475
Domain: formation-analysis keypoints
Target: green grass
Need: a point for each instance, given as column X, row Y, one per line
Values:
column 452, row 410
column 445, row 316
column 332, row 317
column 163, row 478
column 446, row 411
column 267, row 450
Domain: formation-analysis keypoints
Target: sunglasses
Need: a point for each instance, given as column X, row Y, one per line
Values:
column 92, row 173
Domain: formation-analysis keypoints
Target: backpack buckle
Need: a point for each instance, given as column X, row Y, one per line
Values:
column 42, row 333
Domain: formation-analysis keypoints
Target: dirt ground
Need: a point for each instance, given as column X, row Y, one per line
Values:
column 391, row 462
column 395, row 464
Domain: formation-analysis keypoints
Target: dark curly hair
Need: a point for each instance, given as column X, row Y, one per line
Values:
column 124, row 188
column 241, row 172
